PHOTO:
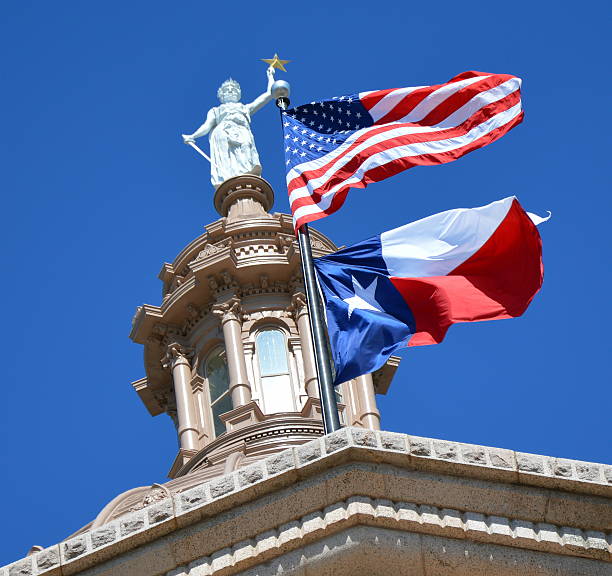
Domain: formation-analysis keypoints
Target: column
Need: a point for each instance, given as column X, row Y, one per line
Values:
column 239, row 386
column 310, row 371
column 176, row 359
column 352, row 403
column 370, row 416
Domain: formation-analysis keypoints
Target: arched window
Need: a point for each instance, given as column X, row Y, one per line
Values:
column 216, row 374
column 271, row 349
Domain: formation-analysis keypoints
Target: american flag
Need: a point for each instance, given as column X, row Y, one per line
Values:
column 351, row 141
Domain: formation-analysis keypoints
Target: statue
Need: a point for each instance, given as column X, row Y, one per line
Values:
column 232, row 147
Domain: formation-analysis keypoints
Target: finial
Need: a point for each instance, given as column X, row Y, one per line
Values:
column 276, row 62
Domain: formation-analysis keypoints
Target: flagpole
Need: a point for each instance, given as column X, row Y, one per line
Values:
column 327, row 392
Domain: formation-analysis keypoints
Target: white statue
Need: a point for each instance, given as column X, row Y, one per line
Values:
column 232, row 147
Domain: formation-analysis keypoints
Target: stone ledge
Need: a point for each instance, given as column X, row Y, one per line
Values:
column 431, row 460
column 400, row 516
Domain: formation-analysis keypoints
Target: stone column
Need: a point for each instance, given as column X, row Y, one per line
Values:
column 239, row 386
column 370, row 416
column 177, row 360
column 352, row 403
column 310, row 371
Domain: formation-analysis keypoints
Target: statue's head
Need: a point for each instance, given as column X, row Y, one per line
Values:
column 229, row 91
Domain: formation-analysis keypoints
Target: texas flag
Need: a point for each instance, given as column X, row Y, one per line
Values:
column 407, row 286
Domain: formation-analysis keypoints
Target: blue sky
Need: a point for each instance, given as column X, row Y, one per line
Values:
column 98, row 191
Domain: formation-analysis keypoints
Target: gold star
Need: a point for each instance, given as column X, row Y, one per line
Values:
column 276, row 62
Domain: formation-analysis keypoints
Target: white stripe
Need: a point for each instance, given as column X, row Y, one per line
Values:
column 479, row 101
column 389, row 101
column 436, row 98
column 436, row 245
column 407, row 150
column 460, row 116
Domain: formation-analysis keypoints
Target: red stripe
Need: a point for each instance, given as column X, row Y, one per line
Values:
column 370, row 100
column 408, row 103
column 462, row 97
column 468, row 74
column 384, row 171
column 348, row 169
column 498, row 281
column 454, row 102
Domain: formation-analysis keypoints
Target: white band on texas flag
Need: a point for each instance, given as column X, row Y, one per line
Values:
column 408, row 285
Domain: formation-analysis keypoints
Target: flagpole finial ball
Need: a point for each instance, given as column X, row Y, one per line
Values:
column 281, row 89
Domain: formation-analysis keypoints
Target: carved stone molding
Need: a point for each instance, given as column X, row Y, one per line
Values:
column 284, row 242
column 265, row 287
column 228, row 311
column 296, row 284
column 298, row 305
column 176, row 352
column 197, row 383
column 211, row 249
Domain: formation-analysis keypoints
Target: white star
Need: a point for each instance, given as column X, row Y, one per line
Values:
column 315, row 112
column 287, row 136
column 305, row 111
column 349, row 100
column 303, row 142
column 296, row 127
column 328, row 140
column 288, row 148
column 304, row 131
column 358, row 114
column 285, row 123
column 364, row 298
column 311, row 123
column 320, row 127
column 287, row 162
column 295, row 139
column 311, row 145
column 319, row 148
column 302, row 154
column 348, row 112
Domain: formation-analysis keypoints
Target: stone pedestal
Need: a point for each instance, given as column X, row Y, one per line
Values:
column 246, row 196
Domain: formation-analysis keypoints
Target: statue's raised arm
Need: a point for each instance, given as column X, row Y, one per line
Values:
column 264, row 98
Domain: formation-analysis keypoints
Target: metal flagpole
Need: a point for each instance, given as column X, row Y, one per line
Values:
column 331, row 420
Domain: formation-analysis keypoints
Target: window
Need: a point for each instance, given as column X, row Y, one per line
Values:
column 216, row 374
column 271, row 350
column 271, row 353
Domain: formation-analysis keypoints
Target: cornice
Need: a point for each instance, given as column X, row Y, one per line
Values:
column 356, row 478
